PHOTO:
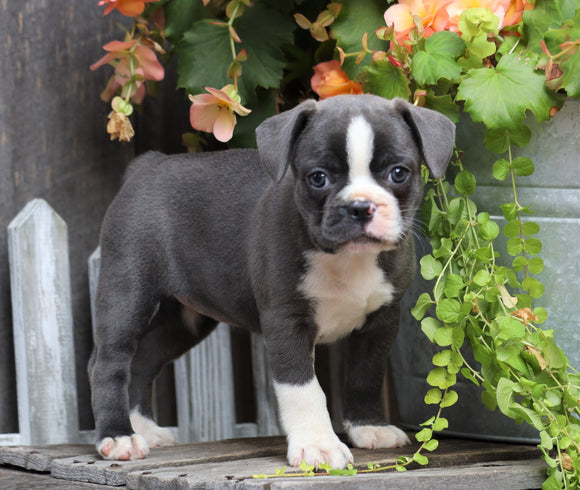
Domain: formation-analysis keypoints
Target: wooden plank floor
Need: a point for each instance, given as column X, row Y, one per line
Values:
column 230, row 464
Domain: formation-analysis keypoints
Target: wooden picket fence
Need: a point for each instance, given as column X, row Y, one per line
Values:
column 45, row 360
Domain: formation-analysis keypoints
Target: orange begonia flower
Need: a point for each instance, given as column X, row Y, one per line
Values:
column 214, row 112
column 330, row 80
column 515, row 12
column 130, row 8
column 121, row 55
column 433, row 15
column 144, row 57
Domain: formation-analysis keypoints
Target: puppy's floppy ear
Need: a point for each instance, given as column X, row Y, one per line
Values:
column 277, row 135
column 434, row 133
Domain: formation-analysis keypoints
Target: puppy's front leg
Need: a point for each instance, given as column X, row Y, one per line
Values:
column 301, row 401
column 366, row 358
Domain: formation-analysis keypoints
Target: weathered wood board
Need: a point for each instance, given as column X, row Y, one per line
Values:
column 482, row 476
column 231, row 464
column 40, row 458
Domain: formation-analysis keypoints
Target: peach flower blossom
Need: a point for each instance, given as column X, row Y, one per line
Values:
column 433, row 15
column 214, row 112
column 145, row 65
column 330, row 80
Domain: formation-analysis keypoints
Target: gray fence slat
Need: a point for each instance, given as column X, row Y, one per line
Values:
column 94, row 264
column 267, row 418
column 205, row 390
column 43, row 326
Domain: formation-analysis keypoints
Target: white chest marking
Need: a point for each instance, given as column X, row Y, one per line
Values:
column 345, row 288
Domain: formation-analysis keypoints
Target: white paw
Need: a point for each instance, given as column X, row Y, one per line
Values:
column 329, row 450
column 123, row 448
column 154, row 435
column 376, row 436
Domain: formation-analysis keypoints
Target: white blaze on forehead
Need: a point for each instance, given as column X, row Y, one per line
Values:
column 359, row 149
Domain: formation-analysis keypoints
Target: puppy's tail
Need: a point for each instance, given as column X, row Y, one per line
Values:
column 145, row 160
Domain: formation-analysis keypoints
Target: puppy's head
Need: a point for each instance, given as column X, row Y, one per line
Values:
column 356, row 166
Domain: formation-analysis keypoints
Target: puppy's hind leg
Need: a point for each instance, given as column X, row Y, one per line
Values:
column 174, row 330
column 124, row 310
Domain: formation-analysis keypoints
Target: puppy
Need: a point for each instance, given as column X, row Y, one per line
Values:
column 307, row 240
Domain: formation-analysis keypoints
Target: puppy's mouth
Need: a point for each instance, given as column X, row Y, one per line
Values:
column 365, row 243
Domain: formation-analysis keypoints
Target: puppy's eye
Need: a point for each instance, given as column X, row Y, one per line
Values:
column 318, row 179
column 399, row 175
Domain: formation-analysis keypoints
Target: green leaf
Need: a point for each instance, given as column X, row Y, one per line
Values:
column 512, row 229
column 500, row 96
column 514, row 246
column 442, row 358
column 424, row 302
column 433, row 396
column 204, row 53
column 533, row 286
column 554, row 356
column 489, row 400
column 523, row 166
column 511, row 354
column 465, row 183
column 467, row 375
column 519, row 263
column 430, row 267
column 475, row 24
column 424, row 435
column 510, row 328
column 497, row 141
column 354, row 20
column 570, row 80
column 501, row 169
column 449, row 399
column 441, row 423
column 429, row 327
column 509, row 211
column 453, row 285
column 440, row 378
column 448, row 310
column 535, row 265
column 532, row 246
column 546, row 441
column 437, row 61
column 531, row 228
column 546, row 14
column 420, row 459
column 180, row 16
column 505, row 397
column 431, row 445
column 443, row 104
column 489, row 230
column 482, row 277
column 383, row 78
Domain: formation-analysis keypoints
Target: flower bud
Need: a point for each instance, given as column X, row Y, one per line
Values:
column 121, row 106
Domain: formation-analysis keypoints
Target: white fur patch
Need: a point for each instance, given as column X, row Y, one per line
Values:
column 376, row 436
column 359, row 150
column 154, row 435
column 307, row 424
column 345, row 288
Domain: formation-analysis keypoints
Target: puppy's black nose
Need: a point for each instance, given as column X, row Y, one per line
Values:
column 362, row 211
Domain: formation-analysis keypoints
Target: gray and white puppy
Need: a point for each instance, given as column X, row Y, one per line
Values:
column 306, row 240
